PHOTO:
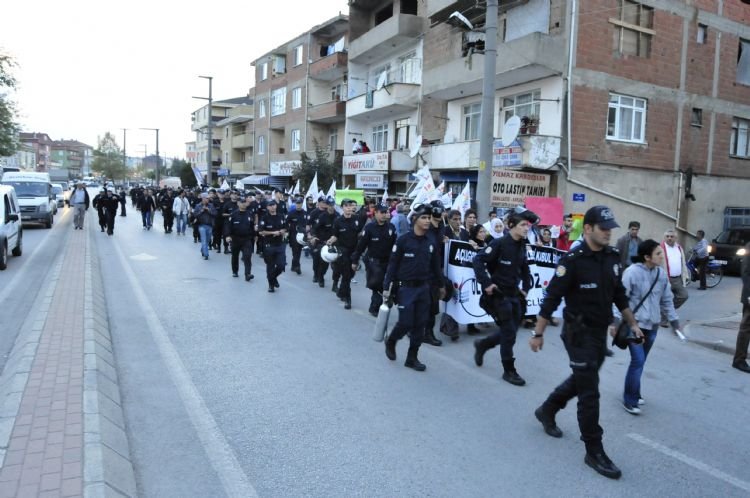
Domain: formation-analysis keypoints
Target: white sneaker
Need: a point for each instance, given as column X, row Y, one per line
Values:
column 641, row 401
column 633, row 410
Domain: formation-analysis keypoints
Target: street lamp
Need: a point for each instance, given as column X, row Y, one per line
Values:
column 210, row 126
column 157, row 152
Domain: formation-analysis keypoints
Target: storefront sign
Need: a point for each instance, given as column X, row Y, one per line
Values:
column 371, row 181
column 503, row 157
column 357, row 163
column 510, row 188
column 284, row 168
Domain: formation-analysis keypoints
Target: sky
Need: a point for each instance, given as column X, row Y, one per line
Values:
column 85, row 67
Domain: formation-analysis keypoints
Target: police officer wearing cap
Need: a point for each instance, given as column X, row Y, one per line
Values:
column 499, row 269
column 295, row 220
column 377, row 239
column 414, row 268
column 320, row 231
column 589, row 278
column 437, row 233
column 310, row 220
column 346, row 229
column 219, row 202
column 239, row 231
column 273, row 228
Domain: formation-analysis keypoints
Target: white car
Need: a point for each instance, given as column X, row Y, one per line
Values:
column 11, row 230
column 59, row 192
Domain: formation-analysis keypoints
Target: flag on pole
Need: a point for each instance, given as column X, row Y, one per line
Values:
column 426, row 193
column 225, row 185
column 312, row 191
column 332, row 190
column 385, row 197
column 462, row 202
column 422, row 175
column 447, row 198
column 295, row 190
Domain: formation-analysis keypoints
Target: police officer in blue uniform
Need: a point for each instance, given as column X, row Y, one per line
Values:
column 346, row 229
column 295, row 220
column 589, row 278
column 273, row 228
column 239, row 231
column 310, row 220
column 437, row 233
column 377, row 239
column 414, row 268
column 320, row 231
column 499, row 269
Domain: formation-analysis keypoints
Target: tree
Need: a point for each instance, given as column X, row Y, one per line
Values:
column 9, row 128
column 108, row 159
column 184, row 170
column 320, row 164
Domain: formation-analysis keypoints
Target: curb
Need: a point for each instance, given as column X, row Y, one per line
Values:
column 107, row 466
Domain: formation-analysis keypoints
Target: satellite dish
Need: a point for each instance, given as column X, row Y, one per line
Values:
column 415, row 146
column 510, row 130
column 382, row 80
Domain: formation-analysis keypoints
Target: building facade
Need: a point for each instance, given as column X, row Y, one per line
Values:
column 73, row 156
column 24, row 158
column 41, row 144
column 237, row 142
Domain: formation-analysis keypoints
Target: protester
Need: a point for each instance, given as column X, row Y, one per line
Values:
column 627, row 245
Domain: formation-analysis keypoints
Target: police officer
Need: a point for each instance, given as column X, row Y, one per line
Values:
column 590, row 280
column 320, row 231
column 109, row 204
column 499, row 269
column 346, row 229
column 378, row 239
column 295, row 220
column 414, row 268
column 218, row 202
column 230, row 205
column 310, row 221
column 239, row 231
column 98, row 204
column 273, row 228
column 437, row 233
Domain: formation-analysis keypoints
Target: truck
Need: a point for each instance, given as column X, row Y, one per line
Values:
column 34, row 192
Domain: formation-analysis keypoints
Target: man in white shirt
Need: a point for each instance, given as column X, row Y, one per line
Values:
column 674, row 264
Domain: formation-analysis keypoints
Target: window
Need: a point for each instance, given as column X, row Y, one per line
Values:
column 264, row 71
column 279, row 64
column 333, row 139
column 626, row 119
column 261, row 145
column 226, row 158
column 526, row 106
column 226, row 132
column 261, row 108
column 472, row 114
column 743, row 62
column 402, row 134
column 409, row 7
column 297, row 98
column 379, row 138
column 295, row 140
column 738, row 146
column 702, row 35
column 298, row 55
column 337, row 92
column 278, row 101
column 633, row 28
column 243, row 157
column 696, row 118
column 384, row 14
column 410, row 69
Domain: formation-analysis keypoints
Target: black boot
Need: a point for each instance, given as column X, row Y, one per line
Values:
column 429, row 338
column 600, row 462
column 390, row 349
column 479, row 350
column 548, row 422
column 335, row 287
column 347, row 303
column 412, row 361
column 510, row 374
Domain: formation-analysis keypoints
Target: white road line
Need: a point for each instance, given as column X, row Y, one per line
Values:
column 723, row 476
column 223, row 459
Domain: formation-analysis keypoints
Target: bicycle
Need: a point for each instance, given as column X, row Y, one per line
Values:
column 714, row 271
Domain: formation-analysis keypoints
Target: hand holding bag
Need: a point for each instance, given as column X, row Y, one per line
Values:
column 624, row 334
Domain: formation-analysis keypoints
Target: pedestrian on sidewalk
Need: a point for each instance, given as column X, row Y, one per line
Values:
column 645, row 281
column 700, row 255
column 99, row 206
column 80, row 201
column 675, row 265
column 204, row 214
column 628, row 244
column 743, row 336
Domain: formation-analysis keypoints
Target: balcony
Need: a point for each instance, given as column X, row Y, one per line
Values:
column 329, row 68
column 529, row 58
column 243, row 141
column 241, row 167
column 394, row 98
column 328, row 112
column 532, row 151
column 386, row 38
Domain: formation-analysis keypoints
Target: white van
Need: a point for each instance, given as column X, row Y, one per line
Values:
column 11, row 232
column 35, row 196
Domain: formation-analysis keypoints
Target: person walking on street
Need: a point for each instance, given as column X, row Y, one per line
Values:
column 204, row 214
column 675, row 265
column 700, row 254
column 166, row 202
column 180, row 209
column 743, row 335
column 123, row 201
column 80, row 201
column 99, row 206
column 414, row 267
column 273, row 229
column 239, row 231
column 645, row 282
column 109, row 204
column 505, row 258
column 627, row 245
column 563, row 241
column 295, row 220
column 378, row 239
column 589, row 279
column 346, row 229
column 147, row 206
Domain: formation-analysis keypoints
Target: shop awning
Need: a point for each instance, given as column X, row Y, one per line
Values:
column 280, row 182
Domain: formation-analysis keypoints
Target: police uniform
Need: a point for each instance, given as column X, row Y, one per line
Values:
column 109, row 204
column 436, row 232
column 229, row 207
column 99, row 206
column 506, row 257
column 377, row 239
column 296, row 222
column 240, row 226
column 165, row 204
column 322, row 229
column 590, row 282
column 218, row 231
column 274, row 252
column 346, row 230
column 310, row 220
column 414, row 267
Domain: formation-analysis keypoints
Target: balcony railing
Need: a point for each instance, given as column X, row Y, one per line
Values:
column 328, row 112
column 329, row 68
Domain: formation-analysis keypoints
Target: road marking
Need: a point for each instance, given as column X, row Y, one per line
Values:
column 220, row 454
column 143, row 257
column 744, row 485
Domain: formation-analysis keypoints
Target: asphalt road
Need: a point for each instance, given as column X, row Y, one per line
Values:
column 230, row 390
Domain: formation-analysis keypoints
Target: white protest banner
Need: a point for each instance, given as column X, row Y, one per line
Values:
column 542, row 264
column 464, row 305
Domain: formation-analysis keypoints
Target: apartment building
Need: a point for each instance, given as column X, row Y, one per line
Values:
column 237, row 141
column 24, row 158
column 41, row 143
column 71, row 155
column 299, row 101
column 190, row 154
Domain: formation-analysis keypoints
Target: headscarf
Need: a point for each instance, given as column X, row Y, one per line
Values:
column 495, row 228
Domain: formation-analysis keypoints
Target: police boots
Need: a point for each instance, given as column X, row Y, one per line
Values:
column 510, row 374
column 479, row 350
column 335, row 286
column 347, row 303
column 390, row 348
column 429, row 338
column 412, row 361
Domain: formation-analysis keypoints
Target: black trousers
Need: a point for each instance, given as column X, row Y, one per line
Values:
column 168, row 215
column 122, row 206
column 343, row 267
column 244, row 245
column 296, row 252
column 275, row 258
column 413, row 305
column 110, row 217
column 320, row 267
column 507, row 316
column 586, row 351
column 375, row 272
column 700, row 267
column 102, row 218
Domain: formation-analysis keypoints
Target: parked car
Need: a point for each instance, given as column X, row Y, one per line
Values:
column 729, row 246
column 59, row 192
column 34, row 192
column 11, row 230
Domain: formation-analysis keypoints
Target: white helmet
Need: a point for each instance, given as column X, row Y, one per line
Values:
column 301, row 239
column 329, row 254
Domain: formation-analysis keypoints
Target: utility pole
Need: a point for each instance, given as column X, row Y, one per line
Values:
column 210, row 127
column 157, row 152
column 487, row 118
column 124, row 154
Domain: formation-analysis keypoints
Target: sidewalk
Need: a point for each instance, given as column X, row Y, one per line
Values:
column 61, row 427
column 719, row 334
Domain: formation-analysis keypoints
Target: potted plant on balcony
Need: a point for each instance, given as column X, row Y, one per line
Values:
column 529, row 125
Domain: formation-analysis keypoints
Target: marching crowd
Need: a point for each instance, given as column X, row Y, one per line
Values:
column 634, row 286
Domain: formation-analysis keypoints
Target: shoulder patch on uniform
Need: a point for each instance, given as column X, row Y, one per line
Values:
column 560, row 271
column 488, row 250
column 394, row 248
column 431, row 248
column 616, row 269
